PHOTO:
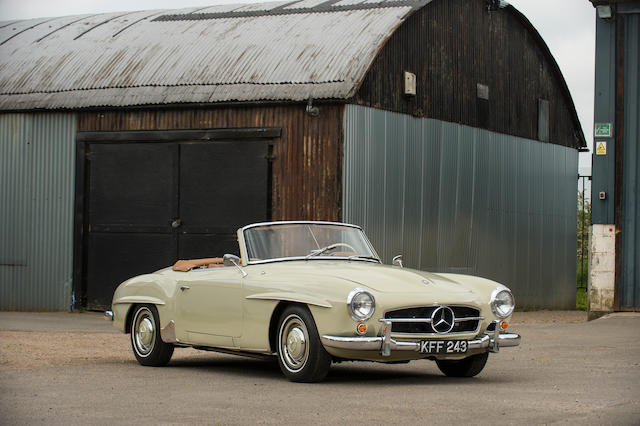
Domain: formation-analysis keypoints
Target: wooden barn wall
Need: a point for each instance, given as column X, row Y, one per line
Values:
column 307, row 159
column 452, row 45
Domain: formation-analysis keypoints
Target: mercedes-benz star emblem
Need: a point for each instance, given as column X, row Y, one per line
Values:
column 443, row 319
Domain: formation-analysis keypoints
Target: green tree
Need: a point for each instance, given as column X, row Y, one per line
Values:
column 582, row 252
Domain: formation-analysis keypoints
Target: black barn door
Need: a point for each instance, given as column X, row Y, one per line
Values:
column 223, row 186
column 149, row 203
column 132, row 198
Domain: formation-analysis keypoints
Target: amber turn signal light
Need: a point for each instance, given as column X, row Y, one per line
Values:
column 504, row 325
column 362, row 328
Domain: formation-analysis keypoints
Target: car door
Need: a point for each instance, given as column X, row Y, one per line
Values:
column 209, row 306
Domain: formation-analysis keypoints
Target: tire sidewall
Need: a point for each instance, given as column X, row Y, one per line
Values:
column 318, row 361
column 283, row 363
column 160, row 352
column 141, row 310
column 466, row 367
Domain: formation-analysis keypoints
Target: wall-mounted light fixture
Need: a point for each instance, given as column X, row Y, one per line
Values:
column 482, row 91
column 604, row 11
column 409, row 83
column 311, row 110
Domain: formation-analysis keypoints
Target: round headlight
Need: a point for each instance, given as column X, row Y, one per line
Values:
column 361, row 304
column 502, row 302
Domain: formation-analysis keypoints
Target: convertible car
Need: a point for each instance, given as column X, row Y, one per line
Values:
column 313, row 293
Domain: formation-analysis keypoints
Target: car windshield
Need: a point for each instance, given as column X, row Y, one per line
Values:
column 306, row 241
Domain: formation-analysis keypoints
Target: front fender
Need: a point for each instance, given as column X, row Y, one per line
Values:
column 151, row 289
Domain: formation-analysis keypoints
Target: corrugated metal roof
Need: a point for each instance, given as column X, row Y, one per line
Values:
column 271, row 51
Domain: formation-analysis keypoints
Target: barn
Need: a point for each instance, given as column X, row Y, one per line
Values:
column 129, row 140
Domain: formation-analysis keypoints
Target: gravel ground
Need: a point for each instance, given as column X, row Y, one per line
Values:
column 566, row 371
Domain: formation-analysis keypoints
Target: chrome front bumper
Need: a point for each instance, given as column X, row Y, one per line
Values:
column 385, row 344
column 108, row 315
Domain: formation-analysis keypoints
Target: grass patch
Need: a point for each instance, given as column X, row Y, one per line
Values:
column 582, row 276
column 582, row 302
column 581, row 299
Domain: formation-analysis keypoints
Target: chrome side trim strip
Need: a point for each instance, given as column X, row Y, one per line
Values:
column 250, row 353
column 307, row 300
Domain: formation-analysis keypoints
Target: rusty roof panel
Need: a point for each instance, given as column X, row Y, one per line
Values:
column 305, row 4
column 262, row 6
column 206, row 55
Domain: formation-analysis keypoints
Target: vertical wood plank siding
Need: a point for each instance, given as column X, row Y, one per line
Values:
column 307, row 164
column 453, row 45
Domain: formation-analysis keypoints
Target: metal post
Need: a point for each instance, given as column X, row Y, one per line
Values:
column 582, row 238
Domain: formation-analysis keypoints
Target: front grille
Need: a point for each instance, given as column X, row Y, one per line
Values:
column 425, row 312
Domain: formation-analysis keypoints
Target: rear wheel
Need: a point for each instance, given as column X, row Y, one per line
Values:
column 146, row 343
column 301, row 356
column 467, row 367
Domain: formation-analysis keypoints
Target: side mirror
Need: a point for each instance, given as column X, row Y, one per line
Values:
column 230, row 260
column 233, row 260
column 397, row 261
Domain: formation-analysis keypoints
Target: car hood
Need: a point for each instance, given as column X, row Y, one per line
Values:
column 379, row 278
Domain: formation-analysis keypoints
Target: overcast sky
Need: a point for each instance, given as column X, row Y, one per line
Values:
column 568, row 27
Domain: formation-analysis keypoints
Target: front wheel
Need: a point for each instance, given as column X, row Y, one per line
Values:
column 301, row 356
column 467, row 367
column 146, row 343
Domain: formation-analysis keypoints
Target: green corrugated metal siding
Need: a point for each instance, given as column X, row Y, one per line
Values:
column 630, row 274
column 452, row 198
column 37, row 157
column 603, row 166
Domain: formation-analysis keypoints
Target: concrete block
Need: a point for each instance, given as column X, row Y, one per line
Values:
column 603, row 239
column 602, row 260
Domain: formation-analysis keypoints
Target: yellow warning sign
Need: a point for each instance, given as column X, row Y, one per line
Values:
column 601, row 148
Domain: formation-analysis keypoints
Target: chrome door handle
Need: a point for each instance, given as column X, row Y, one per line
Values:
column 184, row 287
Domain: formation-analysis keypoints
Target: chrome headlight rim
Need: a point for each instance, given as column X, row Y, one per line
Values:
column 350, row 298
column 494, row 298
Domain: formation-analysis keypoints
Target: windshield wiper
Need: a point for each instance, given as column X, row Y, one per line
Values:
column 320, row 251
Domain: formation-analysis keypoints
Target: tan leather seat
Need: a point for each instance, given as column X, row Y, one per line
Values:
column 189, row 264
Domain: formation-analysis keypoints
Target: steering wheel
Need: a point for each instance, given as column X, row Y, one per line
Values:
column 335, row 245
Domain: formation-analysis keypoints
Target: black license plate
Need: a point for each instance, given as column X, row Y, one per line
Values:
column 443, row 346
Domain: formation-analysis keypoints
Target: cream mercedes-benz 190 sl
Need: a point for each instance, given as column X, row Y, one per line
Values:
column 313, row 293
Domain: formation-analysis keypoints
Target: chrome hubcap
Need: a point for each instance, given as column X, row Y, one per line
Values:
column 296, row 343
column 144, row 329
column 294, row 347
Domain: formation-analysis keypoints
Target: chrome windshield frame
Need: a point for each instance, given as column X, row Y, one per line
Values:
column 307, row 222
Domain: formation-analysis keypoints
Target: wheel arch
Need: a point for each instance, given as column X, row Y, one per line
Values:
column 129, row 318
column 132, row 309
column 275, row 317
